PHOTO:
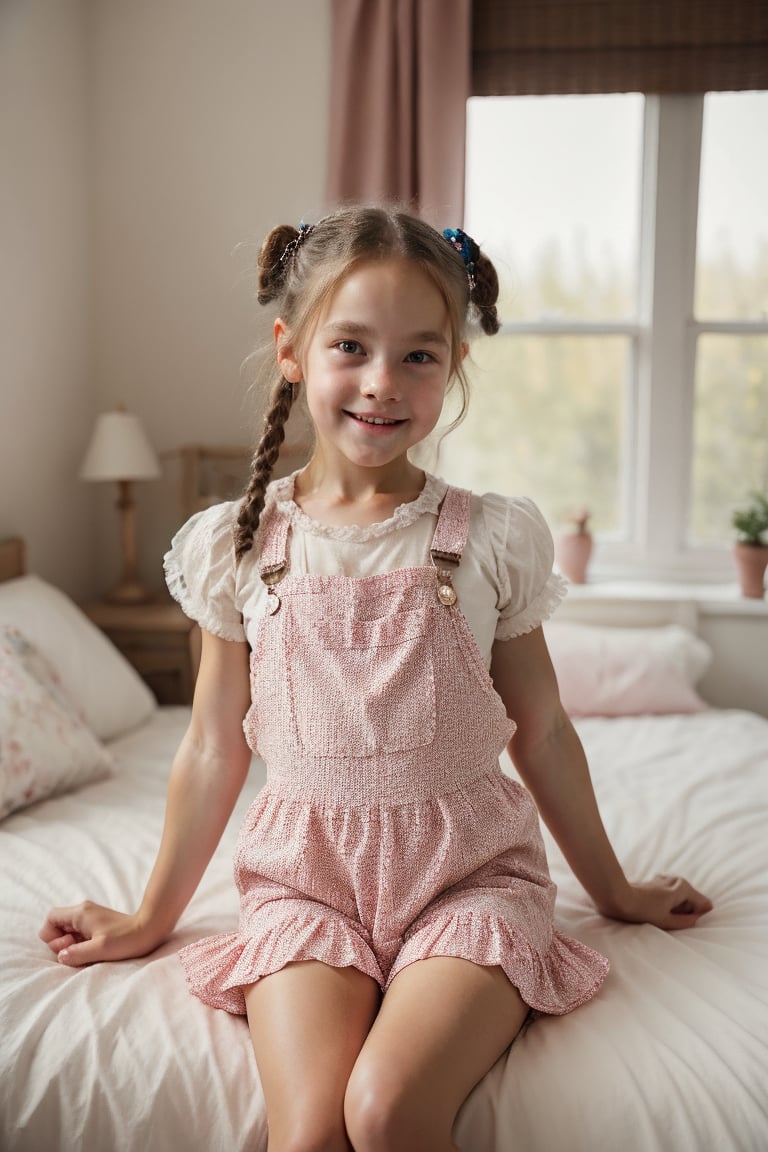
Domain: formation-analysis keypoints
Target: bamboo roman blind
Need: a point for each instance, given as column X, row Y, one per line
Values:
column 539, row 47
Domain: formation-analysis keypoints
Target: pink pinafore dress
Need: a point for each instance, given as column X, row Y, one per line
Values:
column 386, row 832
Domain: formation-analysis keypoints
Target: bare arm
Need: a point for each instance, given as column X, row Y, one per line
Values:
column 208, row 773
column 549, row 756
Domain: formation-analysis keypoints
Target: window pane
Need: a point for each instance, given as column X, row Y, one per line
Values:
column 553, row 195
column 546, row 419
column 732, row 243
column 730, row 454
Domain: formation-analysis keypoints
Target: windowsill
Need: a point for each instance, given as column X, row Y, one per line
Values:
column 708, row 599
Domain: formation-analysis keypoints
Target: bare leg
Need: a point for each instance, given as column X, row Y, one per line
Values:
column 308, row 1023
column 443, row 1023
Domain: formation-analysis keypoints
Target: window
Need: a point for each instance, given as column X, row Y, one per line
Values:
column 730, row 408
column 604, row 388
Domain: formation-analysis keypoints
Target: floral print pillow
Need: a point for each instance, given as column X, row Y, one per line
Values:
column 44, row 747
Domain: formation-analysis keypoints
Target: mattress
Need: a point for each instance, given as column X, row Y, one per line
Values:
column 671, row 1055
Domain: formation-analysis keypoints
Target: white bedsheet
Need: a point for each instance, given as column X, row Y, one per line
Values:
column 671, row 1056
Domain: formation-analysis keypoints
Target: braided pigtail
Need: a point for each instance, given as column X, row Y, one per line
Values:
column 263, row 463
column 277, row 259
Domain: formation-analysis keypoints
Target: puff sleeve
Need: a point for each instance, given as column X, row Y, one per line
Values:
column 528, row 589
column 200, row 571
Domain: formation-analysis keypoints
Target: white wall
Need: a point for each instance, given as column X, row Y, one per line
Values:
column 210, row 127
column 45, row 395
column 154, row 143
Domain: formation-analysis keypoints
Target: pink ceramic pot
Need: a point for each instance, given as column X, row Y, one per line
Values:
column 751, row 562
column 572, row 552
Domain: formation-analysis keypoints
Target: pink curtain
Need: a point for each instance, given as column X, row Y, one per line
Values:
column 400, row 82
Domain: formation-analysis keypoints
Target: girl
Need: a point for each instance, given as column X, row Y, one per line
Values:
column 375, row 635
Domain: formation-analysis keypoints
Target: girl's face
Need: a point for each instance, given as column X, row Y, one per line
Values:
column 377, row 365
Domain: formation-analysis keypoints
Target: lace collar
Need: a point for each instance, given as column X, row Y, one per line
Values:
column 281, row 493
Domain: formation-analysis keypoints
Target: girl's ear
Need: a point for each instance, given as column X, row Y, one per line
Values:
column 286, row 357
column 464, row 348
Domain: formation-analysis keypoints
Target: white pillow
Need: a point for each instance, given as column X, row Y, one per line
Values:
column 105, row 690
column 44, row 748
column 627, row 671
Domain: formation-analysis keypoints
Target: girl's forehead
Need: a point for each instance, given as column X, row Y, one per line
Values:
column 381, row 286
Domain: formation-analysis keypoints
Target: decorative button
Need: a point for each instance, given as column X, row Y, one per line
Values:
column 273, row 601
column 446, row 594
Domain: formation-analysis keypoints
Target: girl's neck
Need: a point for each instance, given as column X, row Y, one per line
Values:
column 359, row 496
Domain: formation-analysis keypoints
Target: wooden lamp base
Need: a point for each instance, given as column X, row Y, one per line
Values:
column 129, row 590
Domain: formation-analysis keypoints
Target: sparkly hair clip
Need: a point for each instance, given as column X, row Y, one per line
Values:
column 467, row 249
column 293, row 246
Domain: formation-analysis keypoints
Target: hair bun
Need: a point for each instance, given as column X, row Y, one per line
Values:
column 271, row 267
column 485, row 294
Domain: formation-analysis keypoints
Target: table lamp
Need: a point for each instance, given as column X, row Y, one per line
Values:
column 120, row 450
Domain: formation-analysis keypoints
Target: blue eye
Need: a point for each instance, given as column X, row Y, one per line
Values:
column 349, row 346
column 419, row 358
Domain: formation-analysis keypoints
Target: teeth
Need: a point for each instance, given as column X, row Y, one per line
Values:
column 375, row 420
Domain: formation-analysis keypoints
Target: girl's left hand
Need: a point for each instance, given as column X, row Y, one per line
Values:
column 669, row 902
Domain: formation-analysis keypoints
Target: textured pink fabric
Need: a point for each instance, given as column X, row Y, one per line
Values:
column 386, row 831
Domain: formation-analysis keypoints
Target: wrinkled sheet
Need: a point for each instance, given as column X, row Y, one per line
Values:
column 672, row 1054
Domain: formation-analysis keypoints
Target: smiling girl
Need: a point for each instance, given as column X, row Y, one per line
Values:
column 375, row 635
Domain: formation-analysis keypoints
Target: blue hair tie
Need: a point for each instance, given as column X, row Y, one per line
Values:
column 466, row 248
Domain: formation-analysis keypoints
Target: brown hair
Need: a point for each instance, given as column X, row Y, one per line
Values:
column 302, row 267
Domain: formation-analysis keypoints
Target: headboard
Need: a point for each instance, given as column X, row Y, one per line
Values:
column 12, row 558
column 211, row 474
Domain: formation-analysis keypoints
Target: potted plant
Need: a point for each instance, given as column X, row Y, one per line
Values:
column 751, row 548
column 573, row 547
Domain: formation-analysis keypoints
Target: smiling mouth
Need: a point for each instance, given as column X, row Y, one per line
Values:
column 373, row 419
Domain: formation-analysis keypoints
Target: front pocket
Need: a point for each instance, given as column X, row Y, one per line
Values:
column 361, row 687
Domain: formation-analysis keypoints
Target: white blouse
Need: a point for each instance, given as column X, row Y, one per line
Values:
column 505, row 583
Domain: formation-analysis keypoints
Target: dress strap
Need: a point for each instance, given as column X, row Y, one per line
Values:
column 449, row 540
column 452, row 528
column 273, row 559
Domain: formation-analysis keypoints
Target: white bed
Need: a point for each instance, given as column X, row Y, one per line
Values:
column 671, row 1056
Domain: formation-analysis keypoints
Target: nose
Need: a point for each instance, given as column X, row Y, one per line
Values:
column 381, row 382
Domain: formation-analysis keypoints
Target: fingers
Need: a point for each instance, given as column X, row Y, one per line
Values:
column 687, row 899
column 62, row 942
column 82, row 952
column 61, row 927
column 67, row 933
column 686, row 904
column 668, row 902
column 88, row 933
column 676, row 921
column 696, row 906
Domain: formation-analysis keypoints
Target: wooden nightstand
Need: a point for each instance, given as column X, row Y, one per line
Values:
column 159, row 640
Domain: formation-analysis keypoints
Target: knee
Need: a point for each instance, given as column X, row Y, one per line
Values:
column 381, row 1115
column 370, row 1114
column 313, row 1134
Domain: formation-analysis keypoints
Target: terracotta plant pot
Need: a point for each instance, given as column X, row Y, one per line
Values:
column 751, row 562
column 572, row 552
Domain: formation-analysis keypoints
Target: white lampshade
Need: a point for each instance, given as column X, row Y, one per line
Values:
column 119, row 450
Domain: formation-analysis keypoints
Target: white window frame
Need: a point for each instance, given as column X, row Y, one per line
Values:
column 660, row 380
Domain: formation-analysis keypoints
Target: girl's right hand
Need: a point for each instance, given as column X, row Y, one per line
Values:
column 88, row 933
